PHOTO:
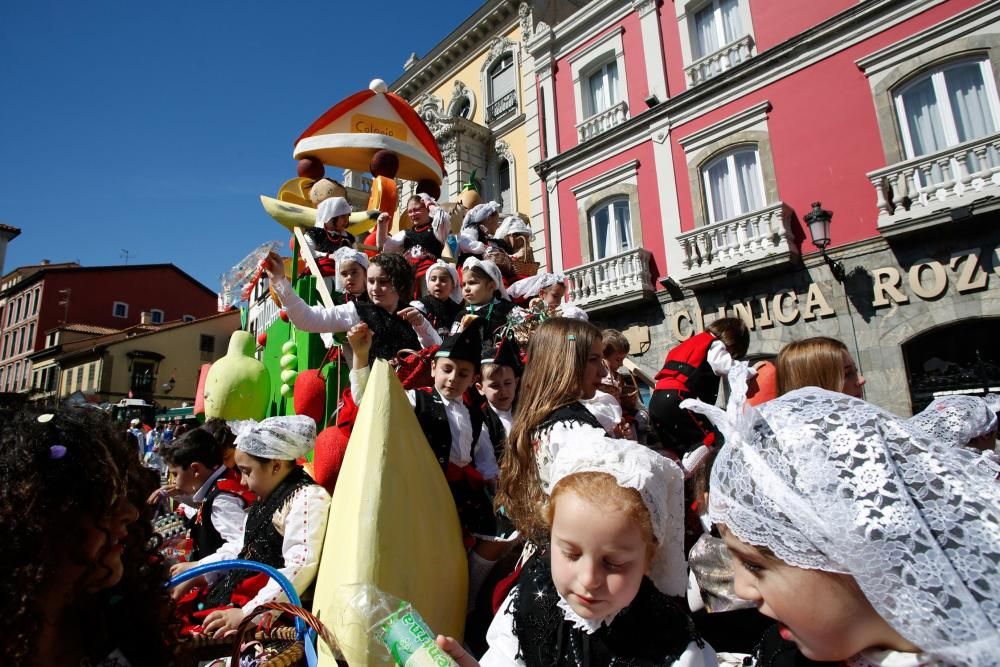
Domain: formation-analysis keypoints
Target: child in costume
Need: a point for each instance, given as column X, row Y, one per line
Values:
column 284, row 527
column 603, row 593
column 218, row 497
column 394, row 326
column 455, row 431
column 82, row 583
column 477, row 238
column 818, row 362
column 868, row 542
column 963, row 421
column 547, row 289
column 485, row 295
column 442, row 304
column 694, row 369
column 330, row 233
column 499, row 373
column 352, row 274
column 424, row 241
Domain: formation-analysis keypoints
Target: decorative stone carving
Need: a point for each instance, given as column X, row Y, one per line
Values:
column 643, row 7
column 502, row 149
column 461, row 92
column 499, row 46
column 524, row 19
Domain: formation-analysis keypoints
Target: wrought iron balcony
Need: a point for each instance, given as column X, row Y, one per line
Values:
column 760, row 239
column 602, row 122
column 502, row 106
column 611, row 281
column 928, row 189
column 718, row 62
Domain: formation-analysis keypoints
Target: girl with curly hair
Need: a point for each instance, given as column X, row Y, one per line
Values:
column 82, row 581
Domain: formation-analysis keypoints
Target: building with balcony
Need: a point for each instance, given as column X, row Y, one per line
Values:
column 38, row 298
column 681, row 145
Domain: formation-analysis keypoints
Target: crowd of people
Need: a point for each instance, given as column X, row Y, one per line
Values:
column 796, row 525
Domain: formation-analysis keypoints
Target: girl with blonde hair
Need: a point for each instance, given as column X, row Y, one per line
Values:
column 818, row 362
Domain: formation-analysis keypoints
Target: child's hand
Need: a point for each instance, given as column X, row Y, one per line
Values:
column 412, row 315
column 181, row 568
column 180, row 590
column 455, row 650
column 360, row 338
column 222, row 622
column 274, row 266
column 163, row 492
column 383, row 220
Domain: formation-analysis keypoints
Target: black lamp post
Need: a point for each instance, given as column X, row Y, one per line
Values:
column 818, row 221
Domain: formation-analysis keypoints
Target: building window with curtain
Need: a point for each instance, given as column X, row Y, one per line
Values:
column 610, row 228
column 733, row 184
column 603, row 88
column 156, row 316
column 501, row 88
column 716, row 25
column 503, row 186
column 948, row 106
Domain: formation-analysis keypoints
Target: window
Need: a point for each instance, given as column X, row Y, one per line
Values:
column 17, row 313
column 156, row 316
column 503, row 178
column 20, row 341
column 50, row 381
column 27, row 303
column 2, row 378
column 462, row 108
column 31, row 336
column 119, row 309
column 38, row 296
column 6, row 339
column 92, row 375
column 948, row 106
column 716, row 25
column 10, row 313
column 501, row 87
column 603, row 88
column 610, row 228
column 79, row 378
column 34, row 380
column 733, row 185
column 16, row 375
column 207, row 344
column 187, row 318
column 142, row 377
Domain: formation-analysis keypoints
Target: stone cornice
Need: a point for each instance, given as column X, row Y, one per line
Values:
column 835, row 34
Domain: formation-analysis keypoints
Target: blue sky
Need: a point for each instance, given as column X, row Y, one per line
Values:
column 155, row 125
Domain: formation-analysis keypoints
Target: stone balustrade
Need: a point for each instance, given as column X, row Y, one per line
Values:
column 948, row 179
column 716, row 63
column 602, row 122
column 610, row 281
column 761, row 237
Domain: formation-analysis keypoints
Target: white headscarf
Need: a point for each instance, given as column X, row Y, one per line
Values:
column 659, row 482
column 513, row 224
column 456, row 292
column 531, row 286
column 479, row 213
column 955, row 420
column 284, row 438
column 491, row 270
column 331, row 208
column 829, row 482
column 347, row 254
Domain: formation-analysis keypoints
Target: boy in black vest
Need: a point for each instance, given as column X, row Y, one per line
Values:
column 499, row 376
column 195, row 461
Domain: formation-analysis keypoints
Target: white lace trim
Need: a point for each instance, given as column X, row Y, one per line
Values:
column 588, row 625
column 889, row 659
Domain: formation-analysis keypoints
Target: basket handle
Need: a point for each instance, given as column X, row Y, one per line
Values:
column 299, row 613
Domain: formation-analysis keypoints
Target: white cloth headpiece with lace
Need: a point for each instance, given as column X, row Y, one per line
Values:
column 832, row 483
column 331, row 208
column 284, row 438
column 491, row 269
column 532, row 285
column 513, row 224
column 955, row 420
column 456, row 290
column 659, row 482
column 479, row 213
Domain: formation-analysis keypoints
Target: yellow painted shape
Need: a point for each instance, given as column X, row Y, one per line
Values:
column 392, row 523
column 291, row 215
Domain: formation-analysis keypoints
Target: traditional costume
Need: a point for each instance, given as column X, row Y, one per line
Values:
column 537, row 627
column 442, row 314
column 222, row 501
column 285, row 530
column 958, row 420
column 494, row 313
column 829, row 482
column 527, row 289
column 324, row 243
column 475, row 239
column 422, row 245
column 498, row 421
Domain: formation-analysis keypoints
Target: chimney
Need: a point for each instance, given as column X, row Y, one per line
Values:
column 145, row 318
column 44, row 262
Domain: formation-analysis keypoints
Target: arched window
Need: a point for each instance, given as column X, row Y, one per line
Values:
column 610, row 228
column 947, row 106
column 504, row 187
column 733, row 184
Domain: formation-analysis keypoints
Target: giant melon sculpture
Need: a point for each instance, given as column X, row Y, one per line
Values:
column 237, row 386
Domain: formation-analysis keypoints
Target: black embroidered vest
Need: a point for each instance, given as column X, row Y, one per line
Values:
column 575, row 412
column 261, row 540
column 205, row 538
column 498, row 435
column 441, row 314
column 425, row 239
column 653, row 631
column 329, row 243
column 492, row 316
column 433, row 418
column 390, row 333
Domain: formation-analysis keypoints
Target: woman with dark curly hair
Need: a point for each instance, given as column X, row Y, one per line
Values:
column 82, row 583
column 393, row 325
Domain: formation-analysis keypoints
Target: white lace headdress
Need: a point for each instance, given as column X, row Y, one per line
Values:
column 829, row 482
column 532, row 285
column 285, row 438
column 955, row 420
column 456, row 290
column 659, row 482
column 491, row 269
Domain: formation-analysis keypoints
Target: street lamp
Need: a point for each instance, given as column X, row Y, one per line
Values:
column 818, row 221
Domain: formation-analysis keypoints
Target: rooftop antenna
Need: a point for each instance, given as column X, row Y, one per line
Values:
column 125, row 254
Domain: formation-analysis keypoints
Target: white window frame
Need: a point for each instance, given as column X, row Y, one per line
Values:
column 613, row 240
column 686, row 10
column 500, row 47
column 188, row 318
column 729, row 156
column 153, row 312
column 612, row 97
column 720, row 31
column 587, row 61
column 944, row 102
column 114, row 310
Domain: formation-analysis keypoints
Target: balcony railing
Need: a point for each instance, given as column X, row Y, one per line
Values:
column 716, row 63
column 602, row 122
column 761, row 238
column 611, row 281
column 949, row 179
column 502, row 106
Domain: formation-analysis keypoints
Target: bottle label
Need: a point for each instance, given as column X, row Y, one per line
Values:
column 410, row 641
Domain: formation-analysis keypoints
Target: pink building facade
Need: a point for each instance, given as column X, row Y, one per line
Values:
column 681, row 145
